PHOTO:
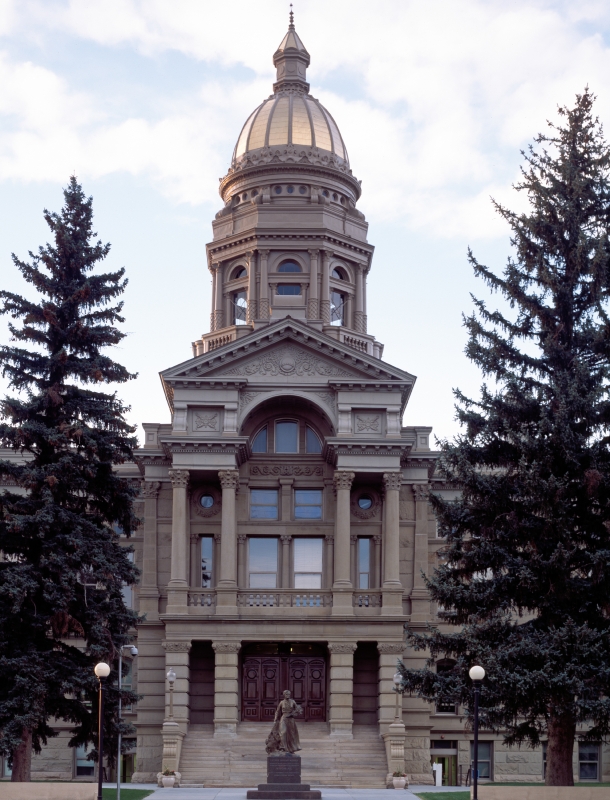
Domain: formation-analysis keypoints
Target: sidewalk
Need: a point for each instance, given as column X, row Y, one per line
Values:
column 240, row 794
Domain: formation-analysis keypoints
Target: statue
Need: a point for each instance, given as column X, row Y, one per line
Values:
column 284, row 736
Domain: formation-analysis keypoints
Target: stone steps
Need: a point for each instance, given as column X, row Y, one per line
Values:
column 241, row 761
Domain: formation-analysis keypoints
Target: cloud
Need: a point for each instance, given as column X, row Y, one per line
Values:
column 442, row 95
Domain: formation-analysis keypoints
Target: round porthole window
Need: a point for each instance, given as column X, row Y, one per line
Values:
column 278, row 189
column 302, row 190
column 207, row 501
column 365, row 502
column 290, row 189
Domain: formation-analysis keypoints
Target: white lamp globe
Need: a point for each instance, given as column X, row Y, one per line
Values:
column 102, row 670
column 171, row 676
column 397, row 678
column 476, row 673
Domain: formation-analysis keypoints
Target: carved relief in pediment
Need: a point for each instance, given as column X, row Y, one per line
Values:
column 288, row 361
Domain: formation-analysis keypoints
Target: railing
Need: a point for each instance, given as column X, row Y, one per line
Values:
column 202, row 599
column 367, row 600
column 220, row 341
column 357, row 344
column 294, row 598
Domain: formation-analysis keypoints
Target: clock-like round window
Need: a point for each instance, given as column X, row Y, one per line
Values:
column 365, row 502
column 206, row 501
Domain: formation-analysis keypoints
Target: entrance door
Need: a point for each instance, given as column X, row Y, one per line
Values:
column 265, row 678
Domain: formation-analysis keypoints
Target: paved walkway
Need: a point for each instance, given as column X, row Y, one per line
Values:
column 240, row 794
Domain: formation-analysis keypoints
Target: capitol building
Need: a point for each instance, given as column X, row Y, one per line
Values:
column 286, row 519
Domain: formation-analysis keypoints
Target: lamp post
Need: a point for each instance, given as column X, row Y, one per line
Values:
column 476, row 675
column 102, row 671
column 134, row 653
column 397, row 681
column 171, row 679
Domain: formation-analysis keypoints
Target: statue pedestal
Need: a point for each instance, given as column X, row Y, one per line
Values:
column 284, row 781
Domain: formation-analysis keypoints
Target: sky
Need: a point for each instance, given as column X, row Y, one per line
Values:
column 144, row 100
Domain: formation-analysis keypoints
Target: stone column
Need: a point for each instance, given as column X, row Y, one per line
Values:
column 391, row 727
column 195, row 561
column 341, row 689
column 330, row 541
column 313, row 309
column 392, row 587
column 218, row 313
column 359, row 310
column 252, row 301
column 263, row 302
column 177, row 589
column 149, row 589
column 226, row 694
column 342, row 586
column 216, row 561
column 242, row 558
column 325, row 293
column 354, row 560
column 286, row 498
column 420, row 599
column 286, row 561
column 376, row 565
column 226, row 592
column 212, row 314
column 174, row 731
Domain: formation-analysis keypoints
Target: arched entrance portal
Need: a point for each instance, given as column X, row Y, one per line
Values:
column 269, row 669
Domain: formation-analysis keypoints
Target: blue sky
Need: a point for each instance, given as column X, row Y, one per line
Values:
column 144, row 101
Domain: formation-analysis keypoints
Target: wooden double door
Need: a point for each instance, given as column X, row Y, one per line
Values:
column 264, row 678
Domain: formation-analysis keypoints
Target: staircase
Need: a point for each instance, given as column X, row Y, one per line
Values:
column 241, row 761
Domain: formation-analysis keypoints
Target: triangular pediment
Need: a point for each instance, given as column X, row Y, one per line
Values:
column 286, row 349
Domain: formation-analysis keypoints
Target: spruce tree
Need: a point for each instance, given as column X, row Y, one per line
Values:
column 524, row 578
column 63, row 566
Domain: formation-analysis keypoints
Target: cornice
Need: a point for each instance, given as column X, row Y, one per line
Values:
column 262, row 241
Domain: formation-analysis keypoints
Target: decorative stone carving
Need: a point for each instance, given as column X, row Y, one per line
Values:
column 328, row 398
column 392, row 481
column 285, row 469
column 421, row 492
column 289, row 360
column 330, row 538
column 343, row 479
column 242, row 538
column 289, row 154
column 206, row 421
column 342, row 647
column 177, row 647
column 226, row 647
column 229, row 478
column 353, row 539
column 245, row 398
column 391, row 648
column 369, row 423
column 179, row 478
column 149, row 490
column 378, row 539
column 214, row 508
column 217, row 537
column 286, row 539
column 366, row 513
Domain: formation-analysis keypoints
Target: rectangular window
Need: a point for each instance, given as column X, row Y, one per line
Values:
column 263, row 503
column 207, row 554
column 262, row 563
column 588, row 761
column 240, row 308
column 307, row 563
column 485, row 758
column 337, row 308
column 127, row 591
column 127, row 681
column 83, row 765
column 286, row 437
column 364, row 563
column 308, row 504
column 6, row 770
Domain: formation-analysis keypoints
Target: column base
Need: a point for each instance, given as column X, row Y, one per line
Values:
column 392, row 602
column 343, row 603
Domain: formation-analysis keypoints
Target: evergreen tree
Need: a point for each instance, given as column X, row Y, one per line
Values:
column 525, row 573
column 63, row 566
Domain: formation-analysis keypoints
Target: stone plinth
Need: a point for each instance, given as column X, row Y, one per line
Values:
column 284, row 781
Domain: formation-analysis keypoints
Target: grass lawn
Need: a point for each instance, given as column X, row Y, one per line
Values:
column 126, row 794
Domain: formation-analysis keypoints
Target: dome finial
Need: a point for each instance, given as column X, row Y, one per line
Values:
column 291, row 17
column 291, row 60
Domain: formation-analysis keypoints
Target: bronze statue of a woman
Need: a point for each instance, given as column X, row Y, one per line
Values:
column 284, row 736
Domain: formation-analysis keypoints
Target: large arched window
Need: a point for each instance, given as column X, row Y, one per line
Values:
column 289, row 266
column 286, row 436
column 339, row 273
column 238, row 272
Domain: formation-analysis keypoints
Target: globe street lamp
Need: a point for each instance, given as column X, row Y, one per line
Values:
column 102, row 671
column 397, row 681
column 476, row 675
column 134, row 652
column 171, row 679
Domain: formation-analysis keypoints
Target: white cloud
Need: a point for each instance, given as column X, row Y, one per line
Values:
column 442, row 94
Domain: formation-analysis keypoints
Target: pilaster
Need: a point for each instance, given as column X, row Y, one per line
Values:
column 313, row 308
column 177, row 588
column 392, row 588
column 420, row 598
column 149, row 589
column 263, row 302
column 341, row 689
column 226, row 696
column 226, row 590
column 285, row 539
column 342, row 586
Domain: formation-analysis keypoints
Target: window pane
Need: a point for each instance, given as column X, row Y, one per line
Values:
column 288, row 288
column 337, row 308
column 308, row 504
column 286, row 440
column 83, row 765
column 364, row 555
column 207, row 551
column 313, row 444
column 307, row 555
column 263, row 580
column 259, row 445
column 289, row 266
column 262, row 563
column 240, row 305
column 484, row 751
column 306, row 580
column 263, row 503
column 363, row 580
column 484, row 769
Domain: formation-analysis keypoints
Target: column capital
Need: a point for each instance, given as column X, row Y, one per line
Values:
column 179, row 478
column 226, row 647
column 391, row 648
column 150, row 489
column 177, row 647
column 421, row 492
column 343, row 479
column 314, row 253
column 344, row 648
column 229, row 478
column 392, row 481
column 378, row 538
column 353, row 538
column 194, row 537
column 330, row 538
column 286, row 539
column 217, row 537
column 242, row 538
column 264, row 253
